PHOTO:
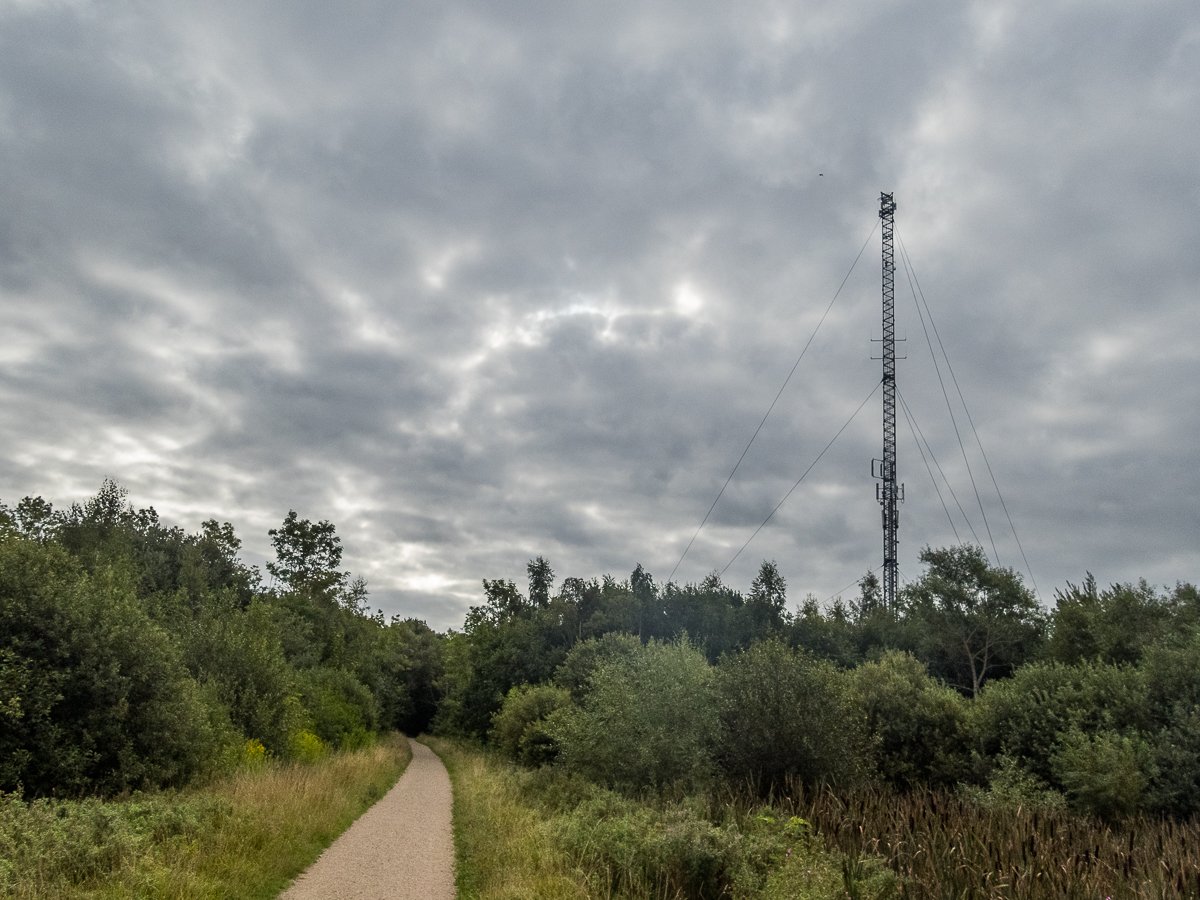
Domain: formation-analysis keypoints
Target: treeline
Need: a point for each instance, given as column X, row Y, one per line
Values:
column 969, row 684
column 135, row 655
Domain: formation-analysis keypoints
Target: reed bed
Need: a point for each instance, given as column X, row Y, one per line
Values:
column 943, row 845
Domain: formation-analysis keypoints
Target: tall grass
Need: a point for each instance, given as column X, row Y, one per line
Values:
column 523, row 833
column 947, row 846
column 500, row 841
column 246, row 836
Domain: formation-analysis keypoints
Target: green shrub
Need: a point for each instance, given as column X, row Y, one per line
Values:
column 1104, row 774
column 238, row 655
column 306, row 748
column 785, row 714
column 519, row 728
column 688, row 847
column 575, row 673
column 1026, row 716
column 1175, row 789
column 918, row 721
column 337, row 704
column 1011, row 787
column 96, row 698
column 357, row 739
column 648, row 720
column 1116, row 625
column 1172, row 676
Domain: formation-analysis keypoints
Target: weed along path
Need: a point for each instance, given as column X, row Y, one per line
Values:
column 402, row 848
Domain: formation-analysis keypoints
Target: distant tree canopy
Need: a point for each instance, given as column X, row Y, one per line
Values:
column 968, row 681
column 134, row 655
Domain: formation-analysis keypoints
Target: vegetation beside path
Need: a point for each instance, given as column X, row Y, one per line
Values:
column 540, row 833
column 245, row 836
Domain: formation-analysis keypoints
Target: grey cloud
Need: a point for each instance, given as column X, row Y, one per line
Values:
column 481, row 281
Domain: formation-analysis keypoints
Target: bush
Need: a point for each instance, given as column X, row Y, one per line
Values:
column 918, row 721
column 687, row 847
column 306, row 748
column 96, row 698
column 1011, row 787
column 648, row 720
column 1115, row 626
column 575, row 673
column 1028, row 715
column 786, row 714
column 519, row 728
column 1172, row 677
column 238, row 655
column 1104, row 774
column 338, row 705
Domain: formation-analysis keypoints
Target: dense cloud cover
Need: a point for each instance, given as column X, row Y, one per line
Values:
column 479, row 281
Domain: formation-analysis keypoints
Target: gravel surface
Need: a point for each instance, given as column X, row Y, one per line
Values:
column 402, row 848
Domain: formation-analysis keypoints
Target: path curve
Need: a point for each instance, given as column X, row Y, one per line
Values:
column 402, row 848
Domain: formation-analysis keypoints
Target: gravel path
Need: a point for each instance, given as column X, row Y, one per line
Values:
column 402, row 848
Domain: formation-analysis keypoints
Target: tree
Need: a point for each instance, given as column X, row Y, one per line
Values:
column 977, row 621
column 1115, row 625
column 94, row 698
column 767, row 600
column 307, row 555
column 35, row 518
column 503, row 602
column 870, row 594
column 541, row 580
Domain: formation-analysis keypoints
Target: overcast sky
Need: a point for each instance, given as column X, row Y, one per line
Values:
column 481, row 281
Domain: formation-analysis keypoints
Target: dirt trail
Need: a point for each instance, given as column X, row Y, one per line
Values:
column 402, row 848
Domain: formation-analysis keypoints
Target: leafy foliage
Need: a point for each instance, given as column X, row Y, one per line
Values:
column 521, row 729
column 96, row 697
column 1117, row 625
column 979, row 621
column 919, row 722
column 136, row 655
column 785, row 714
column 307, row 555
column 1103, row 774
column 647, row 720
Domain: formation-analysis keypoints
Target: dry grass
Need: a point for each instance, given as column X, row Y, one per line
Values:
column 246, row 836
column 945, row 846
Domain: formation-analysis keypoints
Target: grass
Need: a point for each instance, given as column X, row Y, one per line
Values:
column 946, row 846
column 246, row 836
column 543, row 835
column 500, row 841
column 540, row 834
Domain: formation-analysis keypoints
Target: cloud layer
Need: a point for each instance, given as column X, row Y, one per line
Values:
column 479, row 281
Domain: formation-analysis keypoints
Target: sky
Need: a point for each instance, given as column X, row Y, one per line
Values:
column 481, row 281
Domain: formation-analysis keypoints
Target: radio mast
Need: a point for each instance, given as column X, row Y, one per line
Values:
column 887, row 491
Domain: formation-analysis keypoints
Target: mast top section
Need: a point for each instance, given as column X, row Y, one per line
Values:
column 887, row 206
